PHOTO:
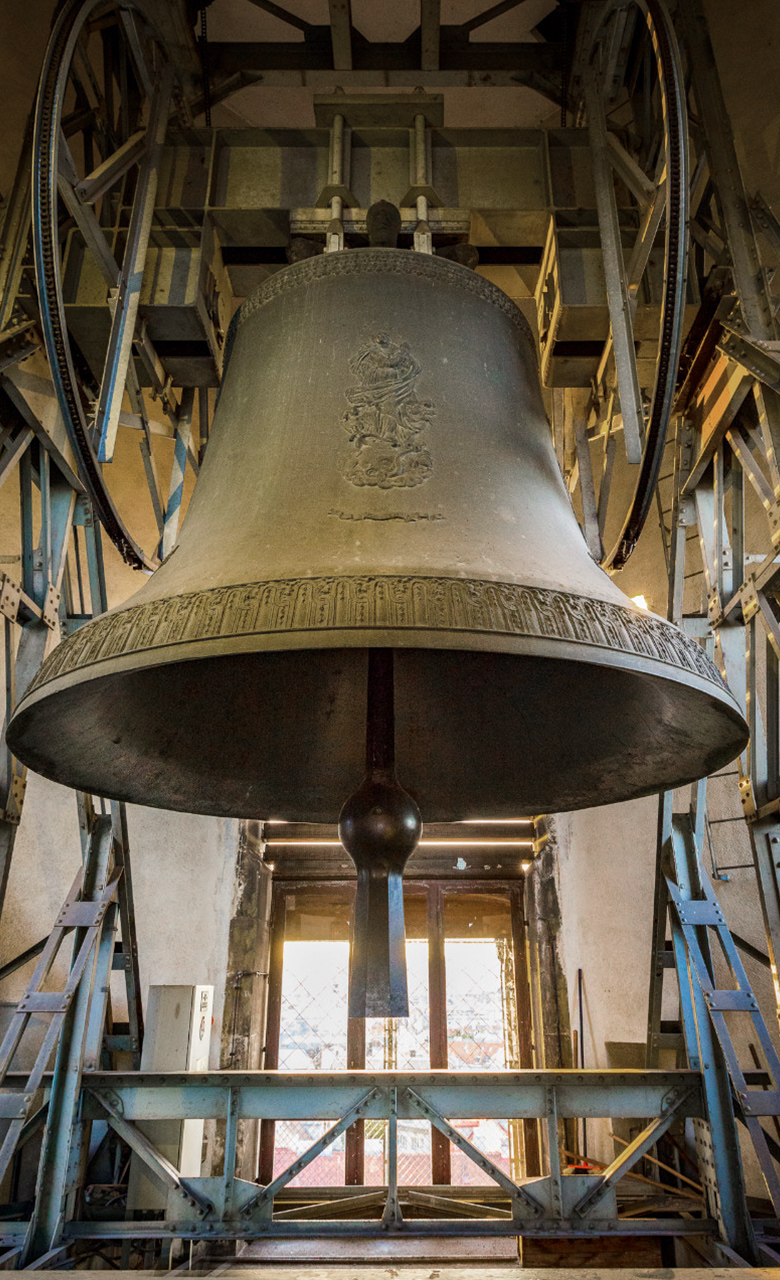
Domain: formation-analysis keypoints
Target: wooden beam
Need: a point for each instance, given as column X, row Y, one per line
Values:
column 487, row 15
column 497, row 832
column 284, row 15
column 273, row 1020
column 430, row 33
column 525, row 1029
column 341, row 33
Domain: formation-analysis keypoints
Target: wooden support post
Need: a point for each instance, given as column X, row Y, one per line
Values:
column 265, row 1167
column 532, row 1164
column 441, row 1172
column 354, row 1155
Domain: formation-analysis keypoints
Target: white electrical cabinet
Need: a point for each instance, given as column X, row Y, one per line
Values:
column 177, row 1037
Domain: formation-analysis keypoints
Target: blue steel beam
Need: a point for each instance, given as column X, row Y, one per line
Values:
column 519, row 1198
column 188, row 1230
column 278, row 1095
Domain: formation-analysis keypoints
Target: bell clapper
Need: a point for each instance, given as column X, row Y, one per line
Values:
column 380, row 827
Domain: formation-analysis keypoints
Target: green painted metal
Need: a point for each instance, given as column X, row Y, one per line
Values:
column 278, row 1095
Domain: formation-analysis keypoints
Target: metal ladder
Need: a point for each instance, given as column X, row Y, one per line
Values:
column 100, row 897
column 685, row 895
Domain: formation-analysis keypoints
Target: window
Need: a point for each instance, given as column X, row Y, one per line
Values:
column 463, row 1007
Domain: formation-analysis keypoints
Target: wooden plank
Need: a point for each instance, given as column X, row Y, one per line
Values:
column 626, row 167
column 532, row 1160
column 587, row 489
column 750, row 467
column 716, row 407
column 598, row 1251
column 91, row 188
column 309, row 867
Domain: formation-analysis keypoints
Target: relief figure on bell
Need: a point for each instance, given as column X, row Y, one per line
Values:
column 385, row 417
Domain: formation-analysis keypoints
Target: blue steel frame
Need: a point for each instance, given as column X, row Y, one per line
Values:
column 76, row 1094
column 558, row 1204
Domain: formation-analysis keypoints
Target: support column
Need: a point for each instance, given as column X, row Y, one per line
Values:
column 60, row 1154
column 246, row 981
column 717, row 1139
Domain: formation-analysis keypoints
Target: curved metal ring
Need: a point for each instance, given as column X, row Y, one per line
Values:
column 46, row 146
column 672, row 86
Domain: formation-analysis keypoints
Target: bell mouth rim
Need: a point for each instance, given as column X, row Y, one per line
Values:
column 162, row 783
column 380, row 260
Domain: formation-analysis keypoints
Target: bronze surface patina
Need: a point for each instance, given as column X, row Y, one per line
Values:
column 380, row 477
column 385, row 418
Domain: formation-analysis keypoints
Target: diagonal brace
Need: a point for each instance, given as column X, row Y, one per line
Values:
column 266, row 1195
column 162, row 1168
column 518, row 1196
column 633, row 1152
column 125, row 313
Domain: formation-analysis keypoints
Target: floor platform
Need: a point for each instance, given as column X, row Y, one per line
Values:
column 442, row 1271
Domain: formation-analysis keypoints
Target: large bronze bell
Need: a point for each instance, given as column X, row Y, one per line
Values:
column 380, row 479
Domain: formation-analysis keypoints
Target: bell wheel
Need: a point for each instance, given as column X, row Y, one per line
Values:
column 96, row 147
column 613, row 398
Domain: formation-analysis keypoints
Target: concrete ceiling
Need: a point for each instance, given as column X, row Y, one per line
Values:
column 380, row 22
column 241, row 20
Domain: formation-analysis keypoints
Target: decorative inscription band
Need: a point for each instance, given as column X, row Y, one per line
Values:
column 384, row 603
